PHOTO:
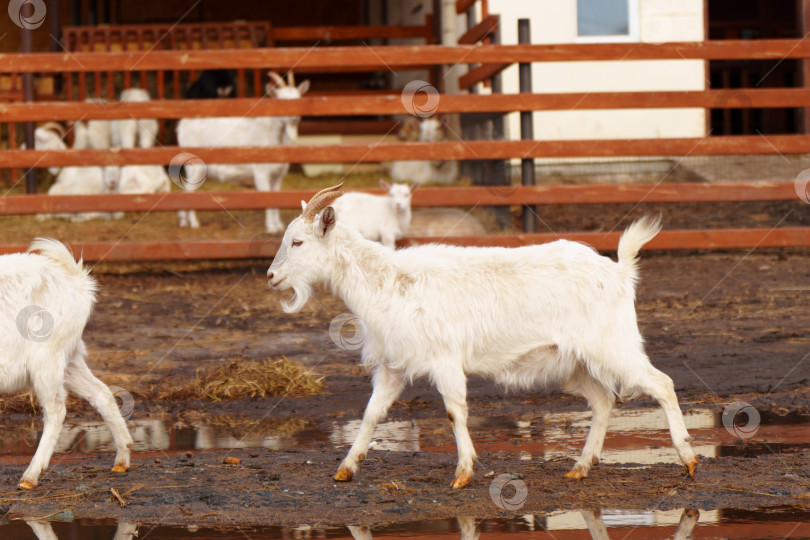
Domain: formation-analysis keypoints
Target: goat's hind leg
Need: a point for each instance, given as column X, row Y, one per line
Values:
column 387, row 385
column 51, row 396
column 452, row 385
column 661, row 388
column 601, row 400
column 81, row 381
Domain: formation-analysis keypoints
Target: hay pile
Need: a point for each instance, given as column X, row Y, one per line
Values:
column 249, row 378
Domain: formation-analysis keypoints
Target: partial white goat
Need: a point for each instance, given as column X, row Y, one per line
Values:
column 557, row 313
column 131, row 132
column 47, row 298
column 121, row 133
column 134, row 179
column 381, row 218
column 71, row 180
column 244, row 131
column 420, row 172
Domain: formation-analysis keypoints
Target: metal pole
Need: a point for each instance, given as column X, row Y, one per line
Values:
column 28, row 96
column 526, row 126
column 437, row 71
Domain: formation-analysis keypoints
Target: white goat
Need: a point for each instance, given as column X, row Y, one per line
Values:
column 134, row 179
column 557, row 313
column 420, row 172
column 122, row 133
column 381, row 218
column 47, row 299
column 131, row 132
column 245, row 131
column 71, row 180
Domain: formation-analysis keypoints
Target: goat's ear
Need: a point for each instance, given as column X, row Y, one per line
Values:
column 385, row 185
column 327, row 221
column 303, row 205
column 415, row 186
column 303, row 87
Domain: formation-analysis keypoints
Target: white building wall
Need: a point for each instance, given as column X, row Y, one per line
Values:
column 555, row 21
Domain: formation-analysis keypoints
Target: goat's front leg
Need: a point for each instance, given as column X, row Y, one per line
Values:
column 388, row 385
column 452, row 385
column 195, row 175
column 51, row 396
column 267, row 177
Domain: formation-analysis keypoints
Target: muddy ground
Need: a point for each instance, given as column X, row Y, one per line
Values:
column 726, row 326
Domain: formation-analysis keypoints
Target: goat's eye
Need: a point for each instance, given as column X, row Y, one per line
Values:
column 297, row 242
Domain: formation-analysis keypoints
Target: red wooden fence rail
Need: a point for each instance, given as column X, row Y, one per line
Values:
column 742, row 98
column 400, row 56
column 263, row 246
column 371, row 153
column 425, row 197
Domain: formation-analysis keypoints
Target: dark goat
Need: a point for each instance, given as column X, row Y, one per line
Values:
column 212, row 83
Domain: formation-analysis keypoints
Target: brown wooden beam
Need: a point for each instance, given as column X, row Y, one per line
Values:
column 397, row 56
column 481, row 74
column 479, row 31
column 375, row 104
column 451, row 150
column 462, row 6
column 424, row 197
column 339, row 33
column 265, row 247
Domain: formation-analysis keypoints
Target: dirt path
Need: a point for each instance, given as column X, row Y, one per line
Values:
column 725, row 326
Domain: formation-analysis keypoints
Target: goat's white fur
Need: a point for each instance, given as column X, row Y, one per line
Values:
column 421, row 172
column 72, row 180
column 551, row 314
column 50, row 296
column 244, row 131
column 381, row 218
column 132, row 132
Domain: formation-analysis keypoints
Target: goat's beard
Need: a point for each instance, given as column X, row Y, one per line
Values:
column 301, row 295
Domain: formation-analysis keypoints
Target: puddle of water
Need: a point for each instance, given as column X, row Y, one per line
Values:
column 582, row 524
column 634, row 436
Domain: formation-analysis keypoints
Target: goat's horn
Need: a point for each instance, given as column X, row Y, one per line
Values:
column 54, row 126
column 320, row 201
column 277, row 78
column 291, row 78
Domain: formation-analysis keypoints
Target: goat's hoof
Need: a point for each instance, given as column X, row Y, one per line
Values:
column 25, row 484
column 343, row 475
column 120, row 468
column 594, row 460
column 691, row 466
column 461, row 481
column 576, row 474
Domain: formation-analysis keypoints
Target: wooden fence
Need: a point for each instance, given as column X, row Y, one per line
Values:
column 405, row 57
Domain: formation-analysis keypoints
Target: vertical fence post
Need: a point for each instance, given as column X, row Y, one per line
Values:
column 526, row 126
column 28, row 96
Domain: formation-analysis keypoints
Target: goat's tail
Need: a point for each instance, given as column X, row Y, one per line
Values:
column 57, row 252
column 637, row 234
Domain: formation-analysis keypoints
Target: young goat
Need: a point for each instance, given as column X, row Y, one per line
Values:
column 381, row 218
column 557, row 313
column 47, row 299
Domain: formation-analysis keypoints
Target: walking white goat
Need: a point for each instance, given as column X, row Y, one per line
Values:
column 557, row 313
column 381, row 218
column 231, row 131
column 47, row 299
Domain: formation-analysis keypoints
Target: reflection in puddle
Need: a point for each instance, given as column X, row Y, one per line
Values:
column 578, row 524
column 634, row 436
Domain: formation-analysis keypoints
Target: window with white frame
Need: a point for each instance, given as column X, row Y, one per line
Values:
column 607, row 20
